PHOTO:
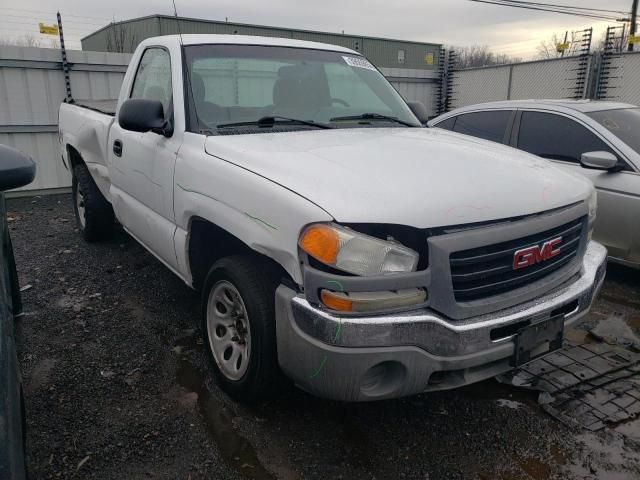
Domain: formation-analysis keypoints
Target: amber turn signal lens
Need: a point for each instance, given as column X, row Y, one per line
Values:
column 321, row 242
column 336, row 302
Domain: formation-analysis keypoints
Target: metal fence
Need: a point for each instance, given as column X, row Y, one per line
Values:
column 31, row 89
column 561, row 78
column 619, row 78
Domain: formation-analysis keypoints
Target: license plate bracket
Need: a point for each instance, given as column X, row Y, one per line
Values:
column 528, row 338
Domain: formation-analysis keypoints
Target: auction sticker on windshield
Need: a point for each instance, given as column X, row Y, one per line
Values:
column 359, row 62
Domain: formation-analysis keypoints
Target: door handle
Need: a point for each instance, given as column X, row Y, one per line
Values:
column 117, row 148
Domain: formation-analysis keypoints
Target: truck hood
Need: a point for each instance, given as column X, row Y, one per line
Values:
column 423, row 178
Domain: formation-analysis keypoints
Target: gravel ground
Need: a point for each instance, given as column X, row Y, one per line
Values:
column 117, row 387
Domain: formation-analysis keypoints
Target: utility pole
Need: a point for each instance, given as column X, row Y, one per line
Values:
column 634, row 17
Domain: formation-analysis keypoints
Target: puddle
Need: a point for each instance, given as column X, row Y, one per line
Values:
column 503, row 393
column 630, row 429
column 235, row 449
column 513, row 405
column 534, row 467
column 614, row 330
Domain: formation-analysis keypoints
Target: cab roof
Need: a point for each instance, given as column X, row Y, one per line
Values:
column 216, row 39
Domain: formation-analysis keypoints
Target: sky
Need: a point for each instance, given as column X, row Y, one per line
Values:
column 512, row 31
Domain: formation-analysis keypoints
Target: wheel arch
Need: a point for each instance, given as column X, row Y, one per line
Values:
column 74, row 157
column 207, row 243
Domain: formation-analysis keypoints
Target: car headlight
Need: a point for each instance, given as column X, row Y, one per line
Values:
column 356, row 253
column 593, row 205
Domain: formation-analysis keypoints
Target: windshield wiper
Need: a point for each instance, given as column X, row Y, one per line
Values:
column 270, row 121
column 373, row 116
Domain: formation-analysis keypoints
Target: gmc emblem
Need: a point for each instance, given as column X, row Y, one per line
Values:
column 529, row 256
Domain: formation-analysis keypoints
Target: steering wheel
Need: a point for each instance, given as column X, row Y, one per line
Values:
column 340, row 101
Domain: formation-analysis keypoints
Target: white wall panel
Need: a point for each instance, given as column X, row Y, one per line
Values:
column 31, row 89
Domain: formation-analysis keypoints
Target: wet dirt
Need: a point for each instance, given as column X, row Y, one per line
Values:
column 158, row 412
column 236, row 450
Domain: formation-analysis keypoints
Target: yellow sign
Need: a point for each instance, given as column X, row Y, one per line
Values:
column 634, row 39
column 48, row 29
column 561, row 47
column 428, row 58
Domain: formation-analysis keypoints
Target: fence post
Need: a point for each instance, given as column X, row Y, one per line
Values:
column 510, row 82
column 65, row 64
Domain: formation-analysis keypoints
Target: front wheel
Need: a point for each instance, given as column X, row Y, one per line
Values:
column 238, row 323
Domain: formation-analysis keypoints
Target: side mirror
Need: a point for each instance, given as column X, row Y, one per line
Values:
column 16, row 169
column 420, row 111
column 142, row 115
column 599, row 160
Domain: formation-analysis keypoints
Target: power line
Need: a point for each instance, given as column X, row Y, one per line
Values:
column 543, row 9
column 40, row 19
column 568, row 7
column 40, row 12
column 504, row 3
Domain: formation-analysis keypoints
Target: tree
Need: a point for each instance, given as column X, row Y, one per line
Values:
column 29, row 40
column 26, row 40
column 480, row 56
column 551, row 48
column 619, row 42
column 119, row 39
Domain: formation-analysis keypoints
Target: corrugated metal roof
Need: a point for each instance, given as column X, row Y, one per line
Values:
column 382, row 52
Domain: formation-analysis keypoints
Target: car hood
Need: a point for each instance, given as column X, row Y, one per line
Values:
column 417, row 177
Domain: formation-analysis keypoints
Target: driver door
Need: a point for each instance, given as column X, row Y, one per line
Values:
column 143, row 163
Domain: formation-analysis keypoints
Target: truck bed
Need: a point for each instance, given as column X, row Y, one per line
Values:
column 84, row 127
column 107, row 106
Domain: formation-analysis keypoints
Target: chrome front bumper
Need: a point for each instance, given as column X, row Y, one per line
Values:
column 377, row 357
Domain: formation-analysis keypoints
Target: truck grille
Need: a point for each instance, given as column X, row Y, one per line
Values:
column 486, row 271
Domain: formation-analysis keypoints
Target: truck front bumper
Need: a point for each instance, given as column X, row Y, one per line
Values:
column 388, row 356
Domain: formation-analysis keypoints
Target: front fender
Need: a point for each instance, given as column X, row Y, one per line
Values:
column 264, row 215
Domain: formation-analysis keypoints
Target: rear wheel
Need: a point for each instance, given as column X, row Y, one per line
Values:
column 238, row 323
column 94, row 214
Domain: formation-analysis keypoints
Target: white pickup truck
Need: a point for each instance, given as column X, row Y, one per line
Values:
column 333, row 238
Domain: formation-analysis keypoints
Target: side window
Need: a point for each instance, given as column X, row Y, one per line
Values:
column 556, row 137
column 490, row 125
column 447, row 124
column 153, row 78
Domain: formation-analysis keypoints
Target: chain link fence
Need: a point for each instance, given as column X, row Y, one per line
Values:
column 619, row 78
column 561, row 78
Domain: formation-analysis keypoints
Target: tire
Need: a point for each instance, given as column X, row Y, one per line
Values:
column 258, row 377
column 94, row 214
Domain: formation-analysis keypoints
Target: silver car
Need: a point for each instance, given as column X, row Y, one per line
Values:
column 600, row 140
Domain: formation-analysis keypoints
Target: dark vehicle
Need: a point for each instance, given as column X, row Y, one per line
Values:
column 16, row 170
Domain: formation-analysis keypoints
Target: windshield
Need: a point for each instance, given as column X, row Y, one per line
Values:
column 623, row 123
column 245, row 83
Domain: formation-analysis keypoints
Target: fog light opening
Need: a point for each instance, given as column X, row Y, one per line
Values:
column 383, row 379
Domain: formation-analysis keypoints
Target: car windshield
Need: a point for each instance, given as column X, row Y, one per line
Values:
column 265, row 87
column 623, row 123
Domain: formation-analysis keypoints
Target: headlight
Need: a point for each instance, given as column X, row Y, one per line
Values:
column 356, row 253
column 593, row 205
